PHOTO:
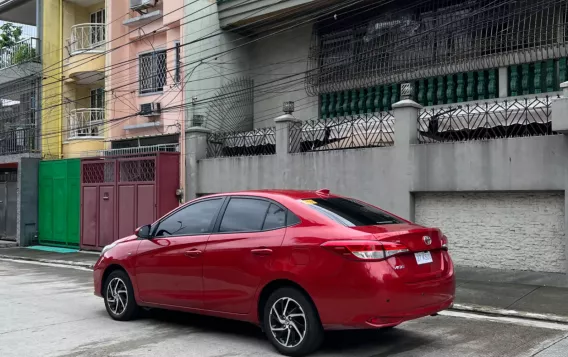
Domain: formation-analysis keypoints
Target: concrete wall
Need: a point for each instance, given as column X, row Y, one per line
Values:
column 273, row 61
column 504, row 230
column 211, row 62
column 462, row 188
column 495, row 165
column 534, row 163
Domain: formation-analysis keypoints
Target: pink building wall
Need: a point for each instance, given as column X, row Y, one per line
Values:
column 122, row 86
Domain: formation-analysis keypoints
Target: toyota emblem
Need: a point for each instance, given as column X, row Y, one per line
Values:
column 427, row 240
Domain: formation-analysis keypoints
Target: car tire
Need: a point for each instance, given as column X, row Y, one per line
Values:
column 291, row 323
column 119, row 297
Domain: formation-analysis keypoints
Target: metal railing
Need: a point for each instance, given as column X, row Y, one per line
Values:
column 87, row 37
column 503, row 118
column 348, row 132
column 19, row 141
column 27, row 50
column 86, row 122
column 250, row 143
column 138, row 150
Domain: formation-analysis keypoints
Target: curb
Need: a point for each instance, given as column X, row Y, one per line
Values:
column 488, row 310
column 50, row 261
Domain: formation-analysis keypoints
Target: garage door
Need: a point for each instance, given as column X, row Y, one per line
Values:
column 520, row 231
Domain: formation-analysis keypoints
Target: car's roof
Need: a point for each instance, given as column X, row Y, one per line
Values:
column 293, row 194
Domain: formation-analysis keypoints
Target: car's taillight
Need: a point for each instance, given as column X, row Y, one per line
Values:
column 444, row 242
column 365, row 250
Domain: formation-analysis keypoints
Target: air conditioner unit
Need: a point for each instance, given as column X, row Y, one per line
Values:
column 150, row 109
column 141, row 4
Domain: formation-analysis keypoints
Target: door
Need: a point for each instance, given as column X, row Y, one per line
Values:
column 169, row 267
column 96, row 116
column 238, row 253
column 3, row 213
column 98, row 32
column 106, row 215
column 11, row 210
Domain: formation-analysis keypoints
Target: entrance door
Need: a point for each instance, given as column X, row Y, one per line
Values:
column 11, row 210
column 8, row 205
column 3, row 203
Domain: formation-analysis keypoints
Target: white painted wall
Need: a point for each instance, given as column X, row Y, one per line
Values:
column 520, row 231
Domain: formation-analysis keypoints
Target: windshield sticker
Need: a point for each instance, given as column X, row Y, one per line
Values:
column 310, row 202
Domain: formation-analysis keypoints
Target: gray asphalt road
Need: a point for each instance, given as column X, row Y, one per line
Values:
column 51, row 311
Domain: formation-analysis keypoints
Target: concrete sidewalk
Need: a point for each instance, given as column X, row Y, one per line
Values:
column 540, row 296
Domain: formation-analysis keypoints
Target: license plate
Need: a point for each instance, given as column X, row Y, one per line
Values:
column 423, row 258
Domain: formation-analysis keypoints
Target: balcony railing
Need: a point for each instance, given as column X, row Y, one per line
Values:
column 86, row 123
column 24, row 51
column 19, row 141
column 87, row 38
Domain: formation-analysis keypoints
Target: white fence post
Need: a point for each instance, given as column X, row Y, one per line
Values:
column 405, row 113
column 195, row 150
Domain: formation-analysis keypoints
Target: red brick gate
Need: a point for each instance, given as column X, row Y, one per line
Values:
column 120, row 194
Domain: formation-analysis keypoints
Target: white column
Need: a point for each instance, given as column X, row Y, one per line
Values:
column 195, row 150
column 406, row 114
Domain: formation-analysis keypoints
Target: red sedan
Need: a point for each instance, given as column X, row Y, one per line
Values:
column 294, row 262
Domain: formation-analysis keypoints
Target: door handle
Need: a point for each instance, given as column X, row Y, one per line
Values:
column 261, row 251
column 194, row 253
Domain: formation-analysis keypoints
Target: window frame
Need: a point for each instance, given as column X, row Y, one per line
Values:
column 177, row 56
column 270, row 201
column 154, row 227
column 152, row 53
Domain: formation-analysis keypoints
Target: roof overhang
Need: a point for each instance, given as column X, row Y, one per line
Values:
column 18, row 11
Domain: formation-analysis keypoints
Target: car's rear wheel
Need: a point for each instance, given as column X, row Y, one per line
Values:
column 119, row 296
column 291, row 323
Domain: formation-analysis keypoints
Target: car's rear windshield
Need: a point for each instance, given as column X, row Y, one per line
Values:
column 350, row 213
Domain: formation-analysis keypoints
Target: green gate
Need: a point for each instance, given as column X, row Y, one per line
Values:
column 59, row 202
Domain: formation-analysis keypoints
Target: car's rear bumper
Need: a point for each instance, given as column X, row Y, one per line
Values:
column 372, row 296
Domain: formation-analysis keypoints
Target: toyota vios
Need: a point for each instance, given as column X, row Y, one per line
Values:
column 294, row 262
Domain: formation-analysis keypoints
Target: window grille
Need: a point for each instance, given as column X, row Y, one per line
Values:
column 153, row 72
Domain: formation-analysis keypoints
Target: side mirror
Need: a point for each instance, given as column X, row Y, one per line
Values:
column 143, row 232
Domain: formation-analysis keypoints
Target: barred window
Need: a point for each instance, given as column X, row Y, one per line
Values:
column 153, row 70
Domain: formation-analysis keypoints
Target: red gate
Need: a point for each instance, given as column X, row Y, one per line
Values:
column 122, row 193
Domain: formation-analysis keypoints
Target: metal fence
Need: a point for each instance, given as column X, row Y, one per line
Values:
column 27, row 50
column 149, row 150
column 19, row 141
column 349, row 132
column 422, row 39
column 250, row 143
column 87, row 37
column 515, row 117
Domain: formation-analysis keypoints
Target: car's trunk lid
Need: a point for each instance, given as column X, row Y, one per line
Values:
column 425, row 259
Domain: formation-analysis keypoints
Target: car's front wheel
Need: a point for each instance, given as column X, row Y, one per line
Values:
column 291, row 323
column 119, row 296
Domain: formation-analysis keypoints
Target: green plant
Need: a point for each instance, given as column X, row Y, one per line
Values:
column 10, row 34
column 23, row 52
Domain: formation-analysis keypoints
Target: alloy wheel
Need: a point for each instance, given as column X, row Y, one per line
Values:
column 288, row 322
column 117, row 296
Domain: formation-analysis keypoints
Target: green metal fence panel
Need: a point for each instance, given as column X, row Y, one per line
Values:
column 59, row 202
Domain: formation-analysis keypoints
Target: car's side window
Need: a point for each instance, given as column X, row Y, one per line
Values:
column 190, row 220
column 275, row 218
column 244, row 215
